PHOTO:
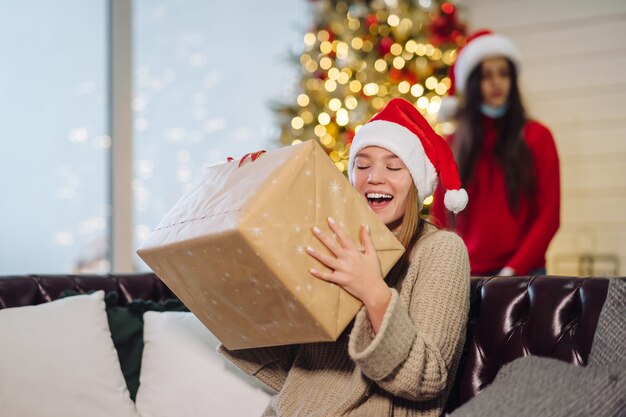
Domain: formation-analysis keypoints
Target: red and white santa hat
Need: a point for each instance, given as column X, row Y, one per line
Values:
column 400, row 128
column 480, row 45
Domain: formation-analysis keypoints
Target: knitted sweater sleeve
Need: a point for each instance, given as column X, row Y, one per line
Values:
column 269, row 365
column 547, row 200
column 423, row 330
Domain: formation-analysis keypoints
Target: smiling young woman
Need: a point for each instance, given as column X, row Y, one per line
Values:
column 402, row 215
column 384, row 181
column 400, row 354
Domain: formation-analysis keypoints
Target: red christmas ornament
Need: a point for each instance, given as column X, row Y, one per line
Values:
column 331, row 34
column 458, row 37
column 448, row 8
column 349, row 133
column 396, row 75
column 320, row 75
column 384, row 46
column 446, row 27
column 371, row 20
column 404, row 74
column 410, row 77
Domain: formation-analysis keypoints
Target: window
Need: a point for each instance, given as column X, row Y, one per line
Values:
column 204, row 75
column 54, row 146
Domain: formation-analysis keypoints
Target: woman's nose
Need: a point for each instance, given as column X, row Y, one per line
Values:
column 376, row 176
column 498, row 81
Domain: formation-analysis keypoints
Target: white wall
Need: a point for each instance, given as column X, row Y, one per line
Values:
column 574, row 80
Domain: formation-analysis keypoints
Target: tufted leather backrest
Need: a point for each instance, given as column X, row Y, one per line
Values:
column 23, row 290
column 511, row 317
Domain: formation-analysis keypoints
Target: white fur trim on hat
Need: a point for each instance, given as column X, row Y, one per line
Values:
column 405, row 145
column 477, row 50
column 455, row 200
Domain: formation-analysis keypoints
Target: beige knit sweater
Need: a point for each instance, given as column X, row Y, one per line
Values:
column 407, row 369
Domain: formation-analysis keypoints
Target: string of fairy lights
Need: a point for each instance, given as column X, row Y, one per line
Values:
column 360, row 54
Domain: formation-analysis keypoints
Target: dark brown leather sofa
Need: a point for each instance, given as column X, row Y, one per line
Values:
column 509, row 318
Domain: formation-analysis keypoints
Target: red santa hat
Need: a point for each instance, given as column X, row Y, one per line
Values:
column 400, row 128
column 480, row 45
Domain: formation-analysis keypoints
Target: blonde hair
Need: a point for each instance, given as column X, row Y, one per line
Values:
column 411, row 219
column 409, row 233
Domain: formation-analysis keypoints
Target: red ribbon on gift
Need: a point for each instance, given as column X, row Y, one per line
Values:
column 251, row 157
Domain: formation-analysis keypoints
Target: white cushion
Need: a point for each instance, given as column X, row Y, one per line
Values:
column 58, row 359
column 183, row 375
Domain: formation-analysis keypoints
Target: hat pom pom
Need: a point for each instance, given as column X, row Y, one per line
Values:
column 455, row 200
column 448, row 109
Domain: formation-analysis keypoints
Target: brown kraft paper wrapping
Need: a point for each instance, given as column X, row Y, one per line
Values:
column 233, row 249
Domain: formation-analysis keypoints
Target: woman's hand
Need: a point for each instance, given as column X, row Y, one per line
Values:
column 357, row 270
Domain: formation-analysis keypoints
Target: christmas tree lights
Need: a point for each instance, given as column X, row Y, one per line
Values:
column 360, row 54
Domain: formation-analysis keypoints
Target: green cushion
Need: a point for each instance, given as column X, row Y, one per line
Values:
column 126, row 324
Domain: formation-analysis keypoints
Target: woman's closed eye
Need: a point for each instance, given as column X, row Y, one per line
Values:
column 362, row 166
column 394, row 168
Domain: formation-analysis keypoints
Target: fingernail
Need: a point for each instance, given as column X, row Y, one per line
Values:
column 367, row 228
column 331, row 220
column 313, row 271
column 309, row 249
column 316, row 230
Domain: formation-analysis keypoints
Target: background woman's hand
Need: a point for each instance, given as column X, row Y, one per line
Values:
column 355, row 269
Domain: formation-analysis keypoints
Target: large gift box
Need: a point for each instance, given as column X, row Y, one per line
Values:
column 233, row 248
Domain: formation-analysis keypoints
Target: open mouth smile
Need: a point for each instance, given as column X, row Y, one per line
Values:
column 378, row 201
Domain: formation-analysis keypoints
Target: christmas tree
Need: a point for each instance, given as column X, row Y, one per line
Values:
column 358, row 55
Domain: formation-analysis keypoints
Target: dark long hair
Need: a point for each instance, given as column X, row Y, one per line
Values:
column 510, row 151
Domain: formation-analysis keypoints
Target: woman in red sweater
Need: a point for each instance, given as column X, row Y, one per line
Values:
column 508, row 164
